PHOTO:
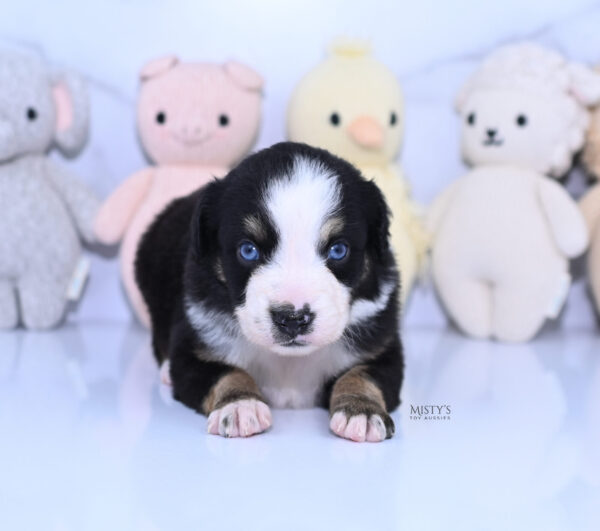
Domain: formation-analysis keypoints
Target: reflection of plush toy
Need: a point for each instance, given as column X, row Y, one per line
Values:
column 195, row 120
column 504, row 232
column 590, row 204
column 352, row 105
column 43, row 209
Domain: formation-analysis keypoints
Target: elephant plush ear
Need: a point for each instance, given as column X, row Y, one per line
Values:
column 72, row 112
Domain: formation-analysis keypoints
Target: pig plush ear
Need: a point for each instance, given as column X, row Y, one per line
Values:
column 584, row 84
column 72, row 106
column 244, row 76
column 157, row 67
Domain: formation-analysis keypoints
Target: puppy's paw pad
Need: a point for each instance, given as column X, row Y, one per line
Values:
column 241, row 418
column 361, row 428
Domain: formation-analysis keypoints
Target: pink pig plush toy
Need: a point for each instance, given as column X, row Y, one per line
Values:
column 195, row 120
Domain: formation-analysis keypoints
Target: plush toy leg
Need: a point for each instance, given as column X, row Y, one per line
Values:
column 43, row 300
column 407, row 264
column 594, row 271
column 519, row 313
column 406, row 257
column 9, row 316
column 469, row 304
column 133, row 293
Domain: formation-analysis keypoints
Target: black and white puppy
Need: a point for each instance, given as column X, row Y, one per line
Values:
column 276, row 285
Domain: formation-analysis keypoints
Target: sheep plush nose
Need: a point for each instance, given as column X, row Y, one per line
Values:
column 491, row 133
column 366, row 132
column 290, row 321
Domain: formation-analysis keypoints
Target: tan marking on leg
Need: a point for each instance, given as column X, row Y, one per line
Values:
column 233, row 386
column 353, row 386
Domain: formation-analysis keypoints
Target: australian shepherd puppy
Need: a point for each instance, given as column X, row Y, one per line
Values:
column 276, row 287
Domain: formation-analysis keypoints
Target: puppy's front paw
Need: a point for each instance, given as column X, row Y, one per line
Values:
column 240, row 418
column 361, row 420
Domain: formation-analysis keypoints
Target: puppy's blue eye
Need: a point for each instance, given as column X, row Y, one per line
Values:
column 338, row 251
column 249, row 252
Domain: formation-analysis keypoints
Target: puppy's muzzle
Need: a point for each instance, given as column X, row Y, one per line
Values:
column 292, row 322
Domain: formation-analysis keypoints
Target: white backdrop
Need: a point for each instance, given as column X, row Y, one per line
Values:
column 431, row 46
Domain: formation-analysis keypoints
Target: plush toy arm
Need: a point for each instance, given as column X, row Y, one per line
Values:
column 79, row 199
column 590, row 206
column 564, row 217
column 439, row 206
column 116, row 212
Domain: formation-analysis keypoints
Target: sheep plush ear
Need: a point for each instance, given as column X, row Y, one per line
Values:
column 244, row 76
column 461, row 98
column 584, row 84
column 72, row 106
column 157, row 67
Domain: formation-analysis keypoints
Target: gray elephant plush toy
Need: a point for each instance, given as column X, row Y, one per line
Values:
column 44, row 211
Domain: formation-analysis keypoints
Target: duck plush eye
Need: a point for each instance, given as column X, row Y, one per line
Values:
column 338, row 251
column 393, row 119
column 248, row 252
column 335, row 119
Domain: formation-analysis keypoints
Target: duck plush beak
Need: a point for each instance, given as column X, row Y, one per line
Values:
column 366, row 132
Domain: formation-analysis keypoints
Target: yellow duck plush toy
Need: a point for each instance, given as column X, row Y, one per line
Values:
column 352, row 105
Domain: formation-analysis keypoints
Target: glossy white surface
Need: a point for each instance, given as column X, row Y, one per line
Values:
column 88, row 441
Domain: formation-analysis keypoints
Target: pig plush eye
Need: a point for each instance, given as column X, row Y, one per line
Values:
column 161, row 117
column 223, row 120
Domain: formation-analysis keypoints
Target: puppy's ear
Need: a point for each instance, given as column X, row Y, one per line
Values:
column 378, row 219
column 205, row 222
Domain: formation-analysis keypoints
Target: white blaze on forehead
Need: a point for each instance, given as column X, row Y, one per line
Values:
column 299, row 205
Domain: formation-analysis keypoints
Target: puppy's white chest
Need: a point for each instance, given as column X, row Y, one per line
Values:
column 291, row 381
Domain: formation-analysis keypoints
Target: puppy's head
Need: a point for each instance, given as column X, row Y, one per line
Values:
column 294, row 235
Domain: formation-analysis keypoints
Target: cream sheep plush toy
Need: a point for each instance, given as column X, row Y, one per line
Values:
column 195, row 120
column 351, row 105
column 503, row 233
column 590, row 204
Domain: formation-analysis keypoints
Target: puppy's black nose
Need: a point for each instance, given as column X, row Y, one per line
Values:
column 290, row 321
column 491, row 133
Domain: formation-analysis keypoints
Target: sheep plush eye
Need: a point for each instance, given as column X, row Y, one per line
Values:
column 161, row 117
column 335, row 119
column 31, row 114
column 338, row 251
column 248, row 252
column 521, row 120
column 471, row 118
